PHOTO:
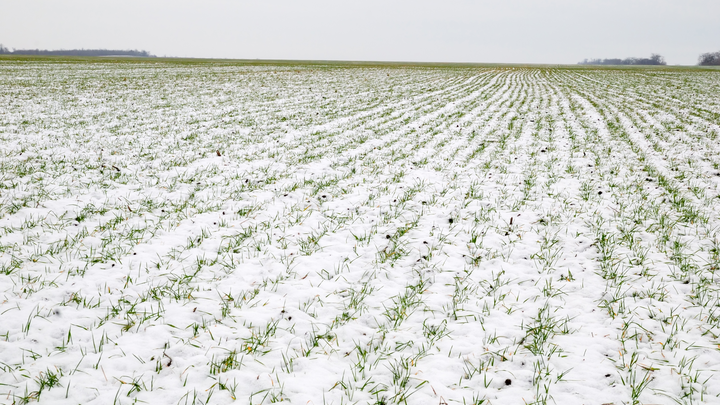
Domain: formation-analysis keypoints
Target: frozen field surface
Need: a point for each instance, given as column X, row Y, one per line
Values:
column 209, row 233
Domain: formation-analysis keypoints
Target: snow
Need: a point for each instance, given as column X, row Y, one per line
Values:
column 206, row 233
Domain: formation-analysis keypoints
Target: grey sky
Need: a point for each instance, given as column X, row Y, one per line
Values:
column 511, row 31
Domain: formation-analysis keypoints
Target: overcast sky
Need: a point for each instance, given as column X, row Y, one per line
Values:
column 499, row 31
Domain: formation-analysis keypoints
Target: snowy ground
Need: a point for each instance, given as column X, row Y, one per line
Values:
column 192, row 234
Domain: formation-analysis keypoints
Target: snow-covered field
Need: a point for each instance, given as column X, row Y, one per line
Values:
column 206, row 233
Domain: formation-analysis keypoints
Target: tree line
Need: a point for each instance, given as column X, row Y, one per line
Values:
column 706, row 59
column 76, row 52
column 654, row 59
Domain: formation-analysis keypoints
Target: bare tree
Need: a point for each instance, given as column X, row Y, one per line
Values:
column 657, row 59
column 709, row 59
